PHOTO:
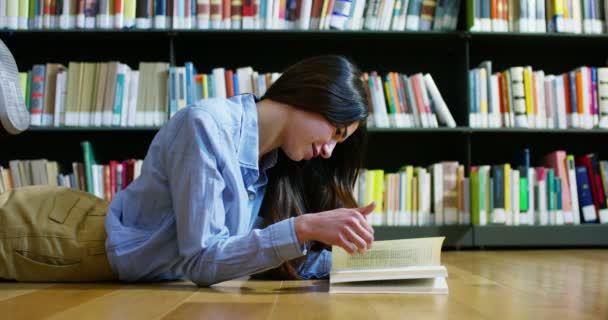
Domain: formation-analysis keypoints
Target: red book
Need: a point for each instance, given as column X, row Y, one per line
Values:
column 229, row 83
column 113, row 164
column 124, row 174
column 247, row 8
column 567, row 93
column 226, row 10
column 502, row 94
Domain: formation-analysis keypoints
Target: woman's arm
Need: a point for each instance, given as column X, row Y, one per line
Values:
column 193, row 164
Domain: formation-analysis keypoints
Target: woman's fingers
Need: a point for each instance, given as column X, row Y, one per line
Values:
column 356, row 240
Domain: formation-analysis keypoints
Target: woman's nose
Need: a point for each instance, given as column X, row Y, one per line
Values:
column 327, row 149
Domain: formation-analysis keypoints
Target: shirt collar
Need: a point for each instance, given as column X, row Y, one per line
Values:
column 249, row 144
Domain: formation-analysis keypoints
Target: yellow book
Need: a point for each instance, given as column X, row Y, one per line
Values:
column 483, row 104
column 323, row 13
column 129, row 13
column 507, row 88
column 528, row 92
column 24, row 10
column 564, row 8
column 205, row 89
column 409, row 170
column 369, row 187
column 23, row 83
column 379, row 190
column 507, row 179
column 415, row 201
column 389, row 100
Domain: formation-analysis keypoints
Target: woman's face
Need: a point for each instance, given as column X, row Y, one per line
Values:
column 310, row 135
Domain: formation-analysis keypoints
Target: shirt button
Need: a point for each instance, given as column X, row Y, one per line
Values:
column 251, row 196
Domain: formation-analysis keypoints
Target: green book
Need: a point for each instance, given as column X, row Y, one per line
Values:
column 474, row 180
column 551, row 197
column 89, row 161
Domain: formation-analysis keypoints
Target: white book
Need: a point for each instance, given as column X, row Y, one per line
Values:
column 59, row 90
column 576, row 23
column 602, row 80
column 244, row 76
column 542, row 209
column 515, row 197
column 495, row 119
column 380, row 113
column 532, row 15
column 519, row 100
column 443, row 112
column 394, row 266
column 104, row 14
column 541, row 118
column 549, row 101
column 340, row 14
column 560, row 103
column 531, row 198
column 584, row 119
column 133, row 96
column 425, row 197
column 541, row 22
column 219, row 82
column 466, row 214
column 438, row 193
column 12, row 14
column 2, row 14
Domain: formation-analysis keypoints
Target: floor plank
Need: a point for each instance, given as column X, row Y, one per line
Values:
column 526, row 284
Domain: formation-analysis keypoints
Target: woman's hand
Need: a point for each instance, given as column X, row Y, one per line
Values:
column 343, row 227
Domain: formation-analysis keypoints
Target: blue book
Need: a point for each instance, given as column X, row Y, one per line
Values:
column 235, row 84
column 160, row 7
column 573, row 98
column 585, row 197
column 172, row 92
column 498, row 188
column 189, row 82
column 472, row 94
column 262, row 13
column 558, row 193
column 118, row 96
column 210, row 86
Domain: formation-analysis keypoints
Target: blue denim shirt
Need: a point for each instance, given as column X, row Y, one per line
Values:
column 193, row 211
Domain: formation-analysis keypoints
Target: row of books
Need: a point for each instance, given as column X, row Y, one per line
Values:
column 399, row 101
column 565, row 16
column 564, row 190
column 102, row 180
column 524, row 98
column 397, row 15
column 112, row 94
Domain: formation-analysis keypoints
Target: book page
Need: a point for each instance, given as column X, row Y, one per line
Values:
column 390, row 254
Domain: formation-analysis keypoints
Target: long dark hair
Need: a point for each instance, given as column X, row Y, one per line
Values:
column 331, row 86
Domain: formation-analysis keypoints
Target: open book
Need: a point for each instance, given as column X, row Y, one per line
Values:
column 394, row 266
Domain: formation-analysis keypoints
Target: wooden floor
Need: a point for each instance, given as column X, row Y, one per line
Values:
column 556, row 284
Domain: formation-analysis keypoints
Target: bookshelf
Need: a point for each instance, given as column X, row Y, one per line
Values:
column 447, row 56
